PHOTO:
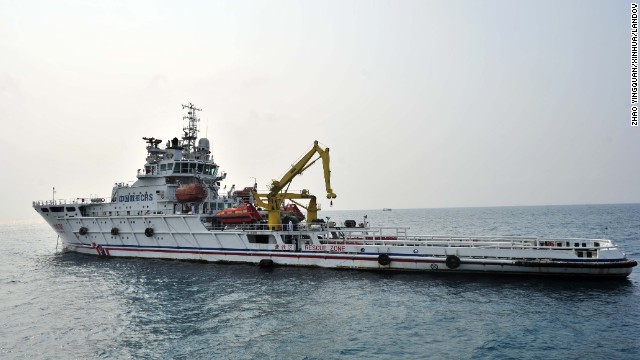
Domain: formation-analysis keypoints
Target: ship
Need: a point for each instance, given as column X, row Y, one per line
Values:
column 176, row 209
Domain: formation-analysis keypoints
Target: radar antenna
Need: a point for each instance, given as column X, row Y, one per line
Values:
column 191, row 130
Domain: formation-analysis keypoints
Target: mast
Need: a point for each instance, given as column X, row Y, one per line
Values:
column 191, row 130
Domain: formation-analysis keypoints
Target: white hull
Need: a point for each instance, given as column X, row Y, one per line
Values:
column 185, row 237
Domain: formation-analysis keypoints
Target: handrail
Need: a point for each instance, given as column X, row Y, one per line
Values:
column 75, row 201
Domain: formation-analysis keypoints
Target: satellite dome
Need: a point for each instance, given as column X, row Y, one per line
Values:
column 203, row 144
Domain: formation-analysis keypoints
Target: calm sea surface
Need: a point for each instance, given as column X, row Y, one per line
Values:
column 64, row 306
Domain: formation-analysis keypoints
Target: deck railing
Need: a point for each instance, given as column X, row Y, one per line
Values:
column 479, row 241
column 76, row 201
column 397, row 236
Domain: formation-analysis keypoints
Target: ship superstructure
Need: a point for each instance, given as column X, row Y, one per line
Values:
column 163, row 181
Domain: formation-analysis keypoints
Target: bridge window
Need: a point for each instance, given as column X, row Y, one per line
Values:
column 163, row 167
column 210, row 170
column 192, row 168
column 200, row 168
column 57, row 209
column 71, row 209
column 44, row 210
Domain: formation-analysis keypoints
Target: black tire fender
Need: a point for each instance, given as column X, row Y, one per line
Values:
column 148, row 232
column 384, row 259
column 452, row 262
column 266, row 263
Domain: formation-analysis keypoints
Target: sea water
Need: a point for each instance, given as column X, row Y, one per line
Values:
column 57, row 305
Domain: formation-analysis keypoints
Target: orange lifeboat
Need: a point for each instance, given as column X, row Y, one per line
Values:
column 244, row 194
column 242, row 214
column 191, row 193
column 292, row 209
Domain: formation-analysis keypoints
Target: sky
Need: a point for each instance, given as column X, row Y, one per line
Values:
column 423, row 104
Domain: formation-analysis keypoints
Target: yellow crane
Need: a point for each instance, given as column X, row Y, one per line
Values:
column 275, row 197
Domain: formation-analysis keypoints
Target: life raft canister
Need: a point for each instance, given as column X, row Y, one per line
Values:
column 115, row 231
column 148, row 232
column 452, row 262
column 83, row 231
column 384, row 259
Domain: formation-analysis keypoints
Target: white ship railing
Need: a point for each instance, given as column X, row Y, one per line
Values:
column 76, row 201
column 397, row 236
column 381, row 237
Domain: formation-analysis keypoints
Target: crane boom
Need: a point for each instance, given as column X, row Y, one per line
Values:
column 303, row 164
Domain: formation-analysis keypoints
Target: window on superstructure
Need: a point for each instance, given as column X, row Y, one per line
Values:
column 200, row 168
column 184, row 168
column 163, row 167
column 261, row 239
column 192, row 168
column 210, row 170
